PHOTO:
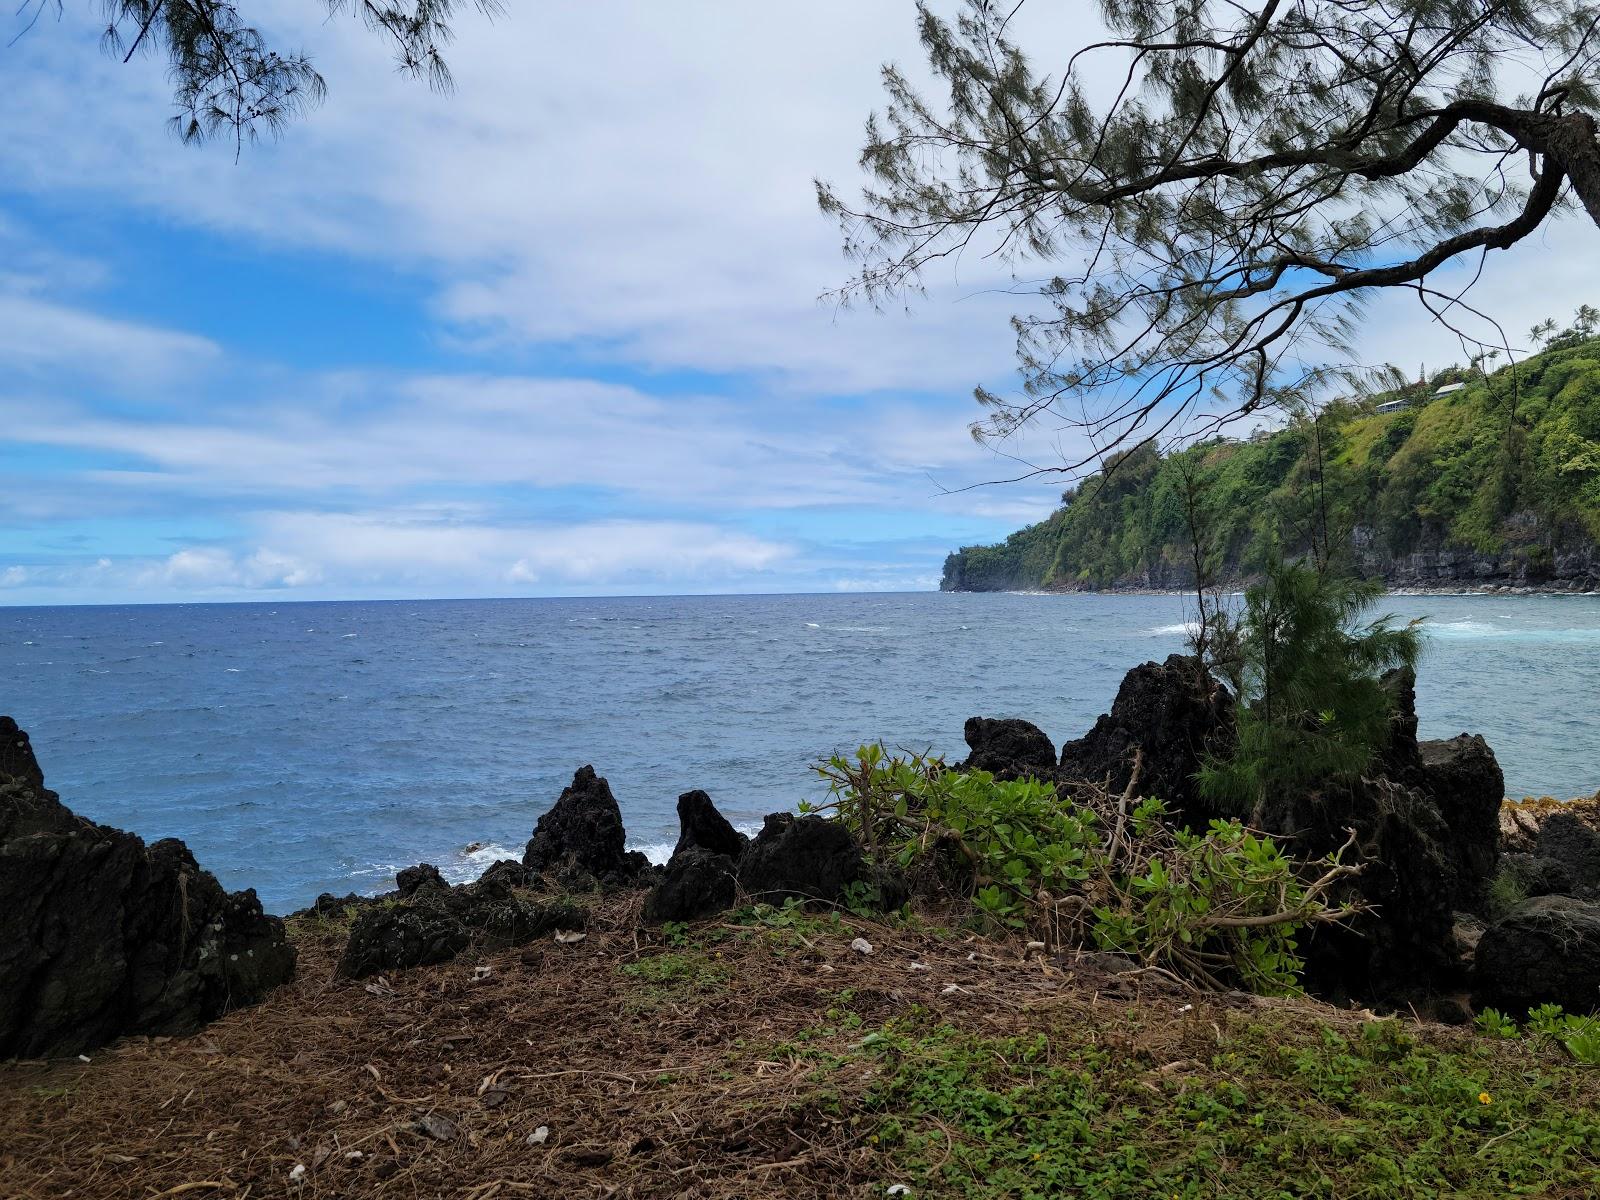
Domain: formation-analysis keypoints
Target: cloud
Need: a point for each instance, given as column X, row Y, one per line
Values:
column 398, row 552
column 43, row 338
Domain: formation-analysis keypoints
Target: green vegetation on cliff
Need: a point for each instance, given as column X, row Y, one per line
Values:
column 1500, row 476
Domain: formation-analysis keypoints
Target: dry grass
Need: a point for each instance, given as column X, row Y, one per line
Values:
column 659, row 1070
column 430, row 1081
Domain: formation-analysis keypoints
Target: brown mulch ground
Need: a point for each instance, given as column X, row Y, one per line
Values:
column 429, row 1082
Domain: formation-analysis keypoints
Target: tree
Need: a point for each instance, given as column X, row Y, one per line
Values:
column 1259, row 174
column 226, row 75
column 1308, row 675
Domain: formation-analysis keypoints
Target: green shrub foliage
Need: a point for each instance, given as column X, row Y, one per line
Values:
column 1222, row 906
column 1308, row 676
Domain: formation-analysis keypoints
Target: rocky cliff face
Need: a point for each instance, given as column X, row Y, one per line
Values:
column 103, row 935
column 1532, row 558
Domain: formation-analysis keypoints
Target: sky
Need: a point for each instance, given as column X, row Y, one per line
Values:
column 557, row 332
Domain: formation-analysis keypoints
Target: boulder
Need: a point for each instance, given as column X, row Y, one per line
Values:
column 581, row 832
column 1009, row 748
column 408, row 879
column 808, row 857
column 1464, row 781
column 436, row 924
column 510, row 873
column 1172, row 714
column 1547, row 950
column 697, row 883
column 700, row 824
column 102, row 935
column 1571, row 847
column 1409, row 876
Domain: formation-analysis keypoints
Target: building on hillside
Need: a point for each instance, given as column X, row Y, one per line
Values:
column 1394, row 406
column 1447, row 389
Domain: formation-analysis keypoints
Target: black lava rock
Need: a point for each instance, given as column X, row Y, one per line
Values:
column 808, row 857
column 102, row 935
column 1172, row 714
column 409, row 879
column 700, row 824
column 697, row 883
column 436, row 924
column 510, row 873
column 583, row 830
column 1546, row 951
column 1009, row 748
column 1463, row 779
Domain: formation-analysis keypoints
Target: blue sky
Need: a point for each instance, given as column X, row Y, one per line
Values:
column 554, row 333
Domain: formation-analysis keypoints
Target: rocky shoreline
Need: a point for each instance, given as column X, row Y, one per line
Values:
column 1467, row 900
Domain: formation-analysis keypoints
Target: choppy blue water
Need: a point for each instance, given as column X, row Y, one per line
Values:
column 302, row 748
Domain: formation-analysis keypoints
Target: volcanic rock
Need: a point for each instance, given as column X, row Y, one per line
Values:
column 697, row 883
column 1465, row 783
column 509, row 872
column 582, row 831
column 408, row 879
column 437, row 923
column 700, row 824
column 1171, row 714
column 1009, row 748
column 808, row 857
column 102, row 935
column 1546, row 951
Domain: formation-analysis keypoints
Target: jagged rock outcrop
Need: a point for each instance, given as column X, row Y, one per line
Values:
column 808, row 857
column 102, row 935
column 1009, row 748
column 1463, row 778
column 1411, row 877
column 437, row 923
column 697, row 883
column 1547, row 950
column 1172, row 714
column 408, row 879
column 583, row 834
column 700, row 824
column 510, row 873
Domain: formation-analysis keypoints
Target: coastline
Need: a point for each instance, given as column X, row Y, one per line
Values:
column 1237, row 587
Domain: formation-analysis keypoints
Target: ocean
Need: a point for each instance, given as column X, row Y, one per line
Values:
column 308, row 747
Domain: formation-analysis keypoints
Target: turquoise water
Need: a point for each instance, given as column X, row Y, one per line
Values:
column 301, row 748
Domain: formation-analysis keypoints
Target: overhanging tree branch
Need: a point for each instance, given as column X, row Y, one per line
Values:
column 1217, row 228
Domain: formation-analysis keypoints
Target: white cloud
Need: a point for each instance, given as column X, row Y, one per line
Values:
column 38, row 335
column 399, row 552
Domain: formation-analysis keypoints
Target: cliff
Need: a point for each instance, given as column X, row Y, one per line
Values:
column 1470, row 480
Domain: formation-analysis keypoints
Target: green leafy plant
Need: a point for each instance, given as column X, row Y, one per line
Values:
column 1221, row 906
column 1496, row 1024
column 1579, row 1035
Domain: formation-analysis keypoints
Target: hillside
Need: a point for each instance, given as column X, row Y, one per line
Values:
column 1496, row 482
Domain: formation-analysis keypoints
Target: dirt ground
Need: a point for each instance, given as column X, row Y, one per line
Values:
column 654, row 1065
column 430, row 1082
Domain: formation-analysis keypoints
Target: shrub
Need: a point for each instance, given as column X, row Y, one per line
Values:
column 1312, row 703
column 1221, row 906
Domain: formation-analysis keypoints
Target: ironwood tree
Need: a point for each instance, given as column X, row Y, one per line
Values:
column 1201, row 203
column 229, row 77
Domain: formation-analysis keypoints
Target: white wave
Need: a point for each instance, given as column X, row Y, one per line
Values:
column 471, row 861
column 809, row 625
column 659, row 852
column 1186, row 628
column 230, row 670
column 656, row 852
